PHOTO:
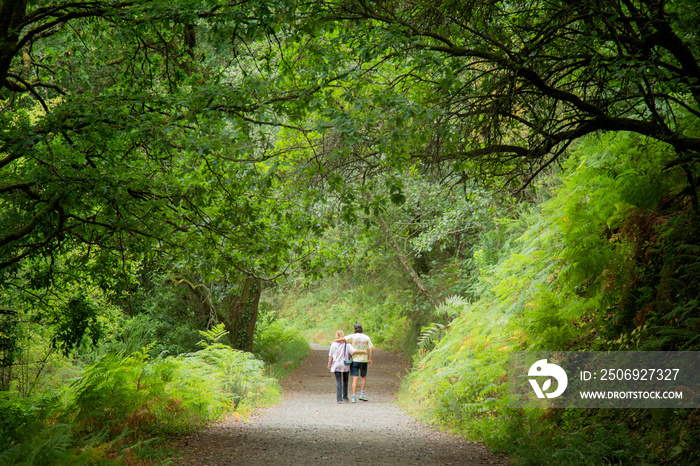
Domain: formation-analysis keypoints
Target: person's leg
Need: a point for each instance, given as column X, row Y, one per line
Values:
column 338, row 386
column 363, row 382
column 346, row 378
column 354, row 373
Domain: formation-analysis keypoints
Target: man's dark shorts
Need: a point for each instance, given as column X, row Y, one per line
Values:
column 358, row 368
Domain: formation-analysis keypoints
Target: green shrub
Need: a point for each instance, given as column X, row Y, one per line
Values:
column 22, row 416
column 162, row 333
column 122, row 401
column 574, row 272
column 278, row 344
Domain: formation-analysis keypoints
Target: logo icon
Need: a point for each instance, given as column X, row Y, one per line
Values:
column 543, row 368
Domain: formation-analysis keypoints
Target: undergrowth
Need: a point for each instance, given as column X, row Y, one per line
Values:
column 113, row 412
column 608, row 261
column 277, row 343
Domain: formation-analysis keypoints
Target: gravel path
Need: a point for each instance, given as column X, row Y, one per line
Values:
column 309, row 428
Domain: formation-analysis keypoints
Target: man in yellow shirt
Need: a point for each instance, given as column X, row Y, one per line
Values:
column 360, row 360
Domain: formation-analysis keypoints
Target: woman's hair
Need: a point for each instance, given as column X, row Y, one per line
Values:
column 339, row 334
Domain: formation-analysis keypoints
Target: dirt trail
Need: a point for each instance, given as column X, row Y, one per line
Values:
column 308, row 427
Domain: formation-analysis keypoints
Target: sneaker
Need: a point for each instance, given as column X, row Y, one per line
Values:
column 347, row 400
column 353, row 399
column 364, row 398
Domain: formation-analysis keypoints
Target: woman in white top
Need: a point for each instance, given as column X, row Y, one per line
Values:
column 338, row 353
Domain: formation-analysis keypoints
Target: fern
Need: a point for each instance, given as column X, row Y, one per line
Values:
column 430, row 335
column 556, row 281
column 120, row 401
column 452, row 306
column 52, row 446
column 212, row 335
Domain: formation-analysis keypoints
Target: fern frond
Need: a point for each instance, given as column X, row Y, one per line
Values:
column 212, row 335
column 430, row 335
column 452, row 306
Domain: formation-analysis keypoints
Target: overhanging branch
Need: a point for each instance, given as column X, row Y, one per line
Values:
column 29, row 227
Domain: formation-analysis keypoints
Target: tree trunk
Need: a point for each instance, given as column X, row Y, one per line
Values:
column 8, row 348
column 404, row 261
column 12, row 14
column 240, row 313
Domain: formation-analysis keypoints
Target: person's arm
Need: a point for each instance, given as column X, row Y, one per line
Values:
column 353, row 350
column 371, row 353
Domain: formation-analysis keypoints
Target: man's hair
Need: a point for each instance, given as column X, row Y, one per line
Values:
column 358, row 327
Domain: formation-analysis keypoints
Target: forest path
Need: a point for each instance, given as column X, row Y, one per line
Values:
column 308, row 427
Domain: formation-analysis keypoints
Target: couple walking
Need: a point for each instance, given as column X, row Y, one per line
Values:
column 360, row 347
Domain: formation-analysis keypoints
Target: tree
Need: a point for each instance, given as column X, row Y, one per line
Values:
column 144, row 132
column 100, row 127
column 513, row 84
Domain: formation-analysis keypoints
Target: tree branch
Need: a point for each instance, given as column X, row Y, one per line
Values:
column 404, row 261
column 29, row 227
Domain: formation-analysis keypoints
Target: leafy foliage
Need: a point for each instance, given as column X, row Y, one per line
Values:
column 121, row 401
column 163, row 162
column 79, row 320
column 572, row 271
column 451, row 308
column 279, row 344
column 510, row 85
